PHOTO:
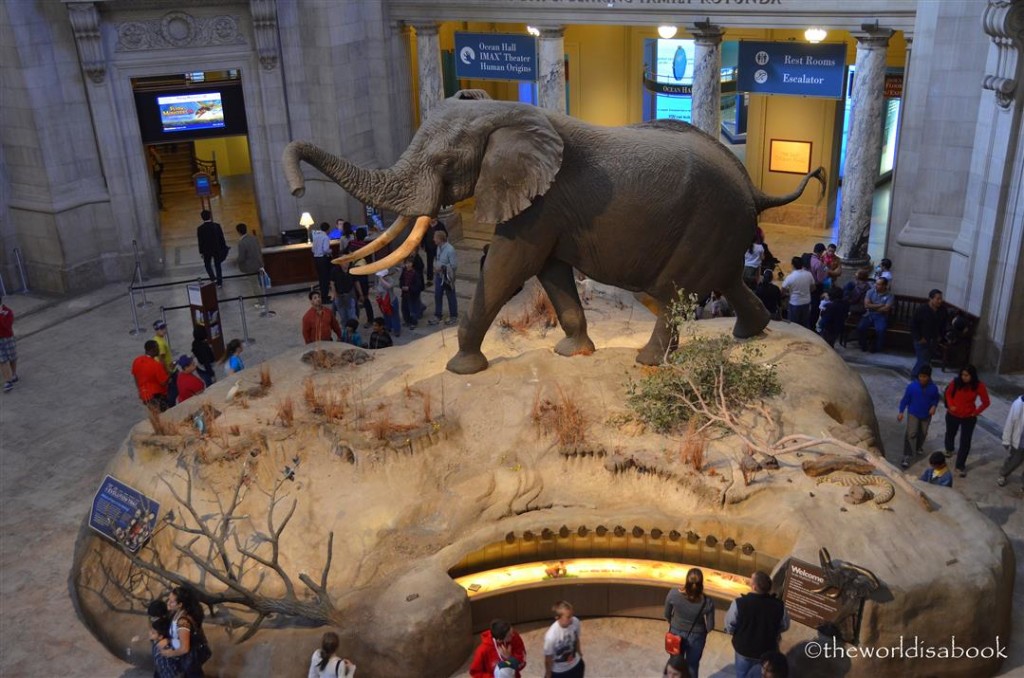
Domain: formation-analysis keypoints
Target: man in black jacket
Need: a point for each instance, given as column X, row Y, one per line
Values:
column 756, row 620
column 926, row 326
column 212, row 246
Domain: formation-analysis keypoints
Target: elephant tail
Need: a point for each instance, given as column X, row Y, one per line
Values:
column 763, row 201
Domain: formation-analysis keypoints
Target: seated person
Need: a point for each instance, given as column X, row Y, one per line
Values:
column 877, row 304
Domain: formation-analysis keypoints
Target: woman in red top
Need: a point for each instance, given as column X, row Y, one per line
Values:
column 962, row 410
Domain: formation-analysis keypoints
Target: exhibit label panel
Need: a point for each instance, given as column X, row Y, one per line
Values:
column 801, row 597
column 123, row 514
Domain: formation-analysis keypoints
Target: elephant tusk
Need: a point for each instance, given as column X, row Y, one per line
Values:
column 377, row 243
column 403, row 251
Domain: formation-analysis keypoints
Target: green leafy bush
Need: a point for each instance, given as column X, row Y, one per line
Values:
column 704, row 371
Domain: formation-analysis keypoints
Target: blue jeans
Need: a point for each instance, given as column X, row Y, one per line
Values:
column 877, row 320
column 799, row 314
column 694, row 651
column 412, row 308
column 440, row 290
column 344, row 306
column 924, row 357
column 746, row 665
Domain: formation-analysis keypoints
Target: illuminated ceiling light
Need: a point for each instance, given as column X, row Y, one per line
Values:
column 814, row 35
column 533, row 30
column 667, row 32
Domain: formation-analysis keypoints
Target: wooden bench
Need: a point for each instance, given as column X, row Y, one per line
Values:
column 897, row 335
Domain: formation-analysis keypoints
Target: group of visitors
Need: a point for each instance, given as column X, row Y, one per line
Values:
column 755, row 621
column 178, row 642
column 502, row 653
column 163, row 381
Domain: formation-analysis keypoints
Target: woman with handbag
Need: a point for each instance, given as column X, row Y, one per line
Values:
column 187, row 638
column 691, row 617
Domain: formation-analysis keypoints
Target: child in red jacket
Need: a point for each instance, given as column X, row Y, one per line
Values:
column 501, row 644
column 966, row 398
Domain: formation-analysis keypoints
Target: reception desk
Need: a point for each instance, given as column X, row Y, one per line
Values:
column 597, row 587
column 293, row 264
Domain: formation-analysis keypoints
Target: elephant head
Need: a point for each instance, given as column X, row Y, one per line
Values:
column 504, row 154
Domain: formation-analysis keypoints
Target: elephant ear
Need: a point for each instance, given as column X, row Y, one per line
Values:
column 519, row 164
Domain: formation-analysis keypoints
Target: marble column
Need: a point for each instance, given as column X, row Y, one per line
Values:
column 707, row 79
column 864, row 146
column 551, row 68
column 428, row 56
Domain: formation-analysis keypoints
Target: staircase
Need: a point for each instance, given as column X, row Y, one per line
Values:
column 176, row 180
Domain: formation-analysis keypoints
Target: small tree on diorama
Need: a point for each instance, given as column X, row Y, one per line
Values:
column 230, row 581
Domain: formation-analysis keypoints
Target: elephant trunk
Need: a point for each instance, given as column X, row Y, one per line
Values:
column 386, row 189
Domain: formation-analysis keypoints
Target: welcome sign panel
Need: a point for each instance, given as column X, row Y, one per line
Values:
column 793, row 68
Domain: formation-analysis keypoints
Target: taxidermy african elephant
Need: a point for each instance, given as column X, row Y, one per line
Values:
column 652, row 208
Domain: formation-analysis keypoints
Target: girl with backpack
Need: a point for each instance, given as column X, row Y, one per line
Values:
column 966, row 398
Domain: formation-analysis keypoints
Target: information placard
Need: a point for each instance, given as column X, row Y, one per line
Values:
column 804, row 605
column 495, row 56
column 794, row 68
column 123, row 514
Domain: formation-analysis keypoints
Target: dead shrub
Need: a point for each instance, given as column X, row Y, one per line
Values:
column 286, row 413
column 427, row 415
column 235, row 430
column 309, row 394
column 543, row 309
column 265, row 380
column 383, row 426
column 539, row 312
column 564, row 418
column 161, row 426
column 694, row 448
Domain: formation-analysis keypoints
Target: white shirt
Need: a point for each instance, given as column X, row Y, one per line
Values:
column 561, row 643
column 799, row 284
column 334, row 668
column 753, row 259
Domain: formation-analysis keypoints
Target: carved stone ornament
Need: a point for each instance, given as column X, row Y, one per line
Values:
column 85, row 22
column 264, row 24
column 178, row 29
column 1004, row 21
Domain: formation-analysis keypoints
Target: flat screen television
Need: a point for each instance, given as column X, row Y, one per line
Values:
column 196, row 113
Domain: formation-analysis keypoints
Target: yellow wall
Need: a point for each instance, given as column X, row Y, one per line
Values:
column 232, row 154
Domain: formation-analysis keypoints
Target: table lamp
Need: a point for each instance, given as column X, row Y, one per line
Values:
column 306, row 220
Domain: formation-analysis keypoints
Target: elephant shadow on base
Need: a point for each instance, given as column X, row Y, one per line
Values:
column 654, row 207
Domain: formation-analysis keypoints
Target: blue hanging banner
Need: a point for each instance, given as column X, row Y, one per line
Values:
column 495, row 56
column 123, row 514
column 794, row 68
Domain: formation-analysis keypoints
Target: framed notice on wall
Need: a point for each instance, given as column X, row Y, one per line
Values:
column 790, row 157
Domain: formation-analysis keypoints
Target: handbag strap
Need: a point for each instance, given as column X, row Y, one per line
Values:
column 699, row 615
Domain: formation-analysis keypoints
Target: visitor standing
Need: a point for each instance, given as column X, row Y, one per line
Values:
column 322, row 257
column 388, row 301
column 920, row 398
column 926, row 327
column 151, row 378
column 212, row 247
column 691, row 616
column 343, row 293
column 379, row 337
column 499, row 645
column 676, row 667
column 966, row 398
column 752, row 260
column 326, row 664
column 430, row 247
column 411, row 282
column 820, row 274
column 188, row 383
column 8, row 348
column 187, row 637
column 833, row 266
column 350, row 333
column 164, row 356
column 204, row 355
column 756, row 621
column 563, row 656
column 445, row 266
column 1013, row 441
column 318, row 323
column 233, row 357
column 799, row 284
column 250, row 260
column 769, row 294
column 160, row 640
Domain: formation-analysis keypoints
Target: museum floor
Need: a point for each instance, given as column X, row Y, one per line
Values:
column 75, row 403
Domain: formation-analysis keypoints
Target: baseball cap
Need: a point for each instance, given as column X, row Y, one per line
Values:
column 184, row 361
column 159, row 325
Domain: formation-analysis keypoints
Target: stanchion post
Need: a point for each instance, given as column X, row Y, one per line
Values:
column 135, row 316
column 138, row 259
column 21, row 269
column 265, row 312
column 245, row 326
column 138, row 276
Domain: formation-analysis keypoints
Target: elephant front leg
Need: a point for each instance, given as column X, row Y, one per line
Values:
column 509, row 264
column 557, row 279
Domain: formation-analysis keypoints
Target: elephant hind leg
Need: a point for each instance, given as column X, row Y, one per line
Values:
column 751, row 315
column 557, row 279
column 660, row 342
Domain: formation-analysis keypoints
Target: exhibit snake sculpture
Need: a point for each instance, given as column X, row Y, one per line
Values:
column 884, row 494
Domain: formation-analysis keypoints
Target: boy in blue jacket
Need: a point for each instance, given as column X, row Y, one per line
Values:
column 920, row 399
column 937, row 473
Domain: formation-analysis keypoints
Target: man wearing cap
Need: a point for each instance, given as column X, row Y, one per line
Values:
column 151, row 378
column 189, row 384
column 319, row 322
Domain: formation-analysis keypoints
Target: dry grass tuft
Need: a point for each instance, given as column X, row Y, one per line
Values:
column 539, row 312
column 695, row 446
column 542, row 308
column 383, row 426
column 161, row 426
column 427, row 414
column 286, row 413
column 265, row 380
column 564, row 418
column 309, row 394
column 235, row 430
column 333, row 405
